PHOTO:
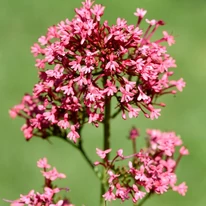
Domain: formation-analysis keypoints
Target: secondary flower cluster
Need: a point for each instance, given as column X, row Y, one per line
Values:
column 151, row 171
column 47, row 197
column 83, row 64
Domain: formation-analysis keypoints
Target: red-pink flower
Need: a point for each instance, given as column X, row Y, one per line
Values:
column 53, row 174
column 181, row 189
column 109, row 195
column 170, row 39
column 180, row 84
column 152, row 169
column 140, row 13
column 84, row 63
column 42, row 163
column 49, row 191
column 134, row 133
column 154, row 113
column 184, row 151
column 102, row 154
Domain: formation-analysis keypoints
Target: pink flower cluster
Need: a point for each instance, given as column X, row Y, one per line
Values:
column 47, row 197
column 151, row 171
column 84, row 63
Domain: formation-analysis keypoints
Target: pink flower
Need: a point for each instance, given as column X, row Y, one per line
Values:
column 120, row 153
column 133, row 112
column 53, row 174
column 143, row 96
column 48, row 194
column 111, row 88
column 109, row 195
column 170, row 39
column 181, row 189
column 154, row 113
column 42, row 163
column 102, row 154
column 28, row 131
column 112, row 176
column 73, row 135
column 151, row 22
column 43, row 40
column 63, row 124
column 36, row 50
column 112, row 65
column 138, row 194
column 134, row 133
column 140, row 13
column 98, row 11
column 180, row 84
column 122, row 193
column 184, row 151
column 126, row 95
column 84, row 63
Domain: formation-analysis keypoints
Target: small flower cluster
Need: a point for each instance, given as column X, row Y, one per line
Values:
column 83, row 64
column 151, row 171
column 47, row 197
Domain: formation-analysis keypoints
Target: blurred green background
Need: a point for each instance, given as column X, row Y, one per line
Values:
column 22, row 22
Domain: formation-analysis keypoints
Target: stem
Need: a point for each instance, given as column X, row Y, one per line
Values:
column 106, row 123
column 116, row 113
column 84, row 154
column 134, row 146
column 81, row 149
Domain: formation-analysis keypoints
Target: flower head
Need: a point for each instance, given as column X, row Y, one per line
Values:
column 83, row 63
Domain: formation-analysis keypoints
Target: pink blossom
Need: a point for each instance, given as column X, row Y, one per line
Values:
column 43, row 40
column 122, row 193
column 53, row 174
column 111, row 88
column 151, row 22
column 153, row 170
column 98, row 11
column 109, row 195
column 102, row 154
column 180, row 84
column 126, row 95
column 120, row 153
column 111, row 65
column 28, row 131
column 40, row 63
column 134, row 133
column 138, row 194
column 36, row 50
column 143, row 96
column 112, row 176
column 140, row 13
column 154, row 113
column 181, row 189
column 49, row 191
column 133, row 112
column 170, row 39
column 84, row 63
column 63, row 124
column 73, row 135
column 184, row 151
column 42, row 163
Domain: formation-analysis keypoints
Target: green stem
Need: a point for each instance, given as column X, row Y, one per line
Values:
column 106, row 123
column 84, row 154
